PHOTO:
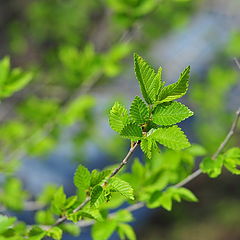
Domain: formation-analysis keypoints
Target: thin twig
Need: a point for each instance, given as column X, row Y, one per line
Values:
column 229, row 135
column 237, row 62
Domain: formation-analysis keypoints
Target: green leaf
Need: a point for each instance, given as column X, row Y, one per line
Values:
column 4, row 70
column 95, row 194
column 138, row 170
column 118, row 117
column 146, row 146
column 125, row 231
column 139, row 111
column 171, row 137
column 150, row 82
column 186, row 194
column 122, row 187
column 170, row 113
column 132, row 131
column 44, row 217
column 82, row 178
column 47, row 194
column 78, row 109
column 212, row 167
column 97, row 177
column 232, row 160
column 165, row 198
column 175, row 90
column 71, row 228
column 123, row 216
column 55, row 233
column 103, row 230
column 58, row 201
column 6, row 222
column 36, row 233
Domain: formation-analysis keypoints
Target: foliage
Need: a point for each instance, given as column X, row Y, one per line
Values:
column 68, row 66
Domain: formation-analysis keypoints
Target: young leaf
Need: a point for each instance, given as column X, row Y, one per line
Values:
column 150, row 82
column 6, row 222
column 146, row 146
column 58, row 201
column 97, row 177
column 212, row 167
column 36, row 233
column 118, row 117
column 163, row 199
column 232, row 160
column 4, row 70
column 175, row 90
column 122, row 187
column 82, row 177
column 171, row 137
column 123, row 216
column 139, row 111
column 170, row 113
column 103, row 230
column 186, row 194
column 71, row 228
column 132, row 131
column 55, row 233
column 126, row 231
column 95, row 194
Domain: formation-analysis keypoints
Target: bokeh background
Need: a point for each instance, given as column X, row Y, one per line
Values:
column 81, row 55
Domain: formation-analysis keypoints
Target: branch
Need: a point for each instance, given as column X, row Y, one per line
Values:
column 237, row 62
column 188, row 179
column 114, row 172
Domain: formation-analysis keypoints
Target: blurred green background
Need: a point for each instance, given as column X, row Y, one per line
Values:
column 80, row 56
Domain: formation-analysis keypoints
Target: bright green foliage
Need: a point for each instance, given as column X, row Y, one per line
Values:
column 82, row 177
column 55, row 233
column 6, row 222
column 123, row 216
column 95, row 194
column 175, row 90
column 118, row 117
column 71, row 228
column 47, row 194
column 171, row 137
column 139, row 111
column 78, row 109
column 58, row 202
column 146, row 146
column 146, row 121
column 97, row 177
column 122, row 187
column 212, row 167
column 170, row 113
column 103, row 230
column 165, row 198
column 232, row 160
column 150, row 82
column 44, row 217
column 125, row 231
column 36, row 233
column 132, row 131
column 12, row 81
column 12, row 194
